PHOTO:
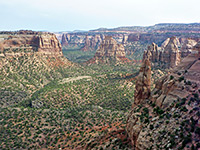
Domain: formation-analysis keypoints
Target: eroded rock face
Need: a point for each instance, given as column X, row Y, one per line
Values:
column 92, row 43
column 164, row 44
column 34, row 44
column 65, row 39
column 155, row 122
column 186, row 46
column 187, row 43
column 41, row 42
column 86, row 42
column 168, row 57
column 152, row 53
column 171, row 54
column 109, row 51
column 49, row 43
column 197, row 48
column 143, row 83
column 125, row 38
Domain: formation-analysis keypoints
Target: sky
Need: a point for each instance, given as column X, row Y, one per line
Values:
column 69, row 15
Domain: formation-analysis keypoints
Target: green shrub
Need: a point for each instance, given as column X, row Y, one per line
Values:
column 171, row 77
column 181, row 78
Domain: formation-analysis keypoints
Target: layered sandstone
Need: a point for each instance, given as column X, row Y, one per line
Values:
column 65, row 39
column 40, row 42
column 109, row 51
column 168, row 57
column 34, row 44
column 158, row 122
column 171, row 54
column 125, row 38
column 92, row 42
column 48, row 43
column 186, row 46
column 197, row 48
column 143, row 83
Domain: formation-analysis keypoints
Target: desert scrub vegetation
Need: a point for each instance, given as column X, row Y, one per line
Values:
column 110, row 94
column 23, row 128
column 71, row 113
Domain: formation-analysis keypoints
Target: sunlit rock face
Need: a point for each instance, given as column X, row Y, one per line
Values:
column 109, row 51
column 167, row 57
column 175, row 99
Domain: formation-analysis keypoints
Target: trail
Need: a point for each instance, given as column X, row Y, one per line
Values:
column 66, row 80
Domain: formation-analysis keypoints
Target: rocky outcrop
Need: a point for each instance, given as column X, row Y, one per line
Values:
column 125, row 38
column 159, row 122
column 73, row 40
column 30, row 43
column 92, row 43
column 48, row 43
column 133, row 37
column 197, row 48
column 40, row 42
column 186, row 46
column 152, row 53
column 187, row 43
column 168, row 57
column 87, row 44
column 109, row 51
column 166, row 42
column 34, row 58
column 143, row 83
column 64, row 40
column 171, row 54
column 95, row 41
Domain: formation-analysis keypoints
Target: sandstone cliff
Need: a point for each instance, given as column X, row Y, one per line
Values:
column 92, row 43
column 27, row 43
column 125, row 38
column 169, row 119
column 109, row 51
column 171, row 54
column 28, row 61
column 48, row 43
column 40, row 42
column 197, row 46
column 143, row 83
column 65, row 39
column 167, row 57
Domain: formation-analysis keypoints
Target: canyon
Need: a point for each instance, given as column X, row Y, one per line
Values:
column 138, row 89
column 158, row 120
column 134, row 39
column 109, row 51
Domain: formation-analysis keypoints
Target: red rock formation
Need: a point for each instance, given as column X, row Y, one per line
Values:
column 143, row 83
column 92, row 43
column 40, row 42
column 133, row 37
column 48, row 43
column 171, row 54
column 167, row 58
column 65, row 39
column 187, row 43
column 109, row 51
column 197, row 48
column 173, row 98
column 125, row 38
column 152, row 53
column 87, row 44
